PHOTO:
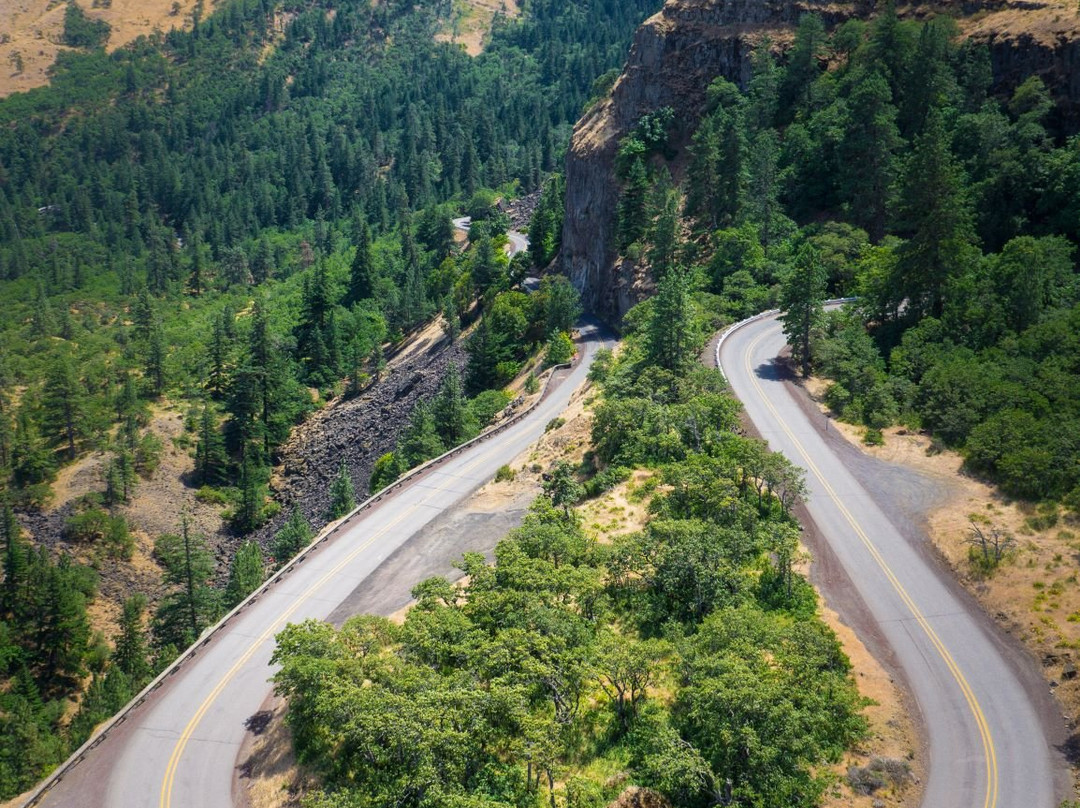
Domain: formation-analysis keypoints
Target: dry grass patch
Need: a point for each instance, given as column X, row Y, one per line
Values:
column 617, row 512
column 34, row 28
column 268, row 774
column 470, row 22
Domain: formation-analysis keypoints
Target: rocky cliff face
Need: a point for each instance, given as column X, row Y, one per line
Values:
column 677, row 52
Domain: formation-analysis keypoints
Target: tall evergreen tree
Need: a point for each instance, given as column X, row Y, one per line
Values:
column 934, row 212
column 293, row 537
column 669, row 338
column 801, row 297
column 63, row 405
column 211, row 461
column 452, row 421
column 342, row 494
column 246, row 573
column 130, row 652
column 192, row 605
column 868, row 154
column 633, row 214
column 362, row 273
column 156, row 351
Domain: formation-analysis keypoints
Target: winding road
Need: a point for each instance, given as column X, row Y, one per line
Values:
column 984, row 714
column 180, row 748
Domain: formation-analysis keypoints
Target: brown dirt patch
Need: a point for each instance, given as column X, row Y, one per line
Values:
column 617, row 512
column 470, row 22
column 268, row 775
column 34, row 29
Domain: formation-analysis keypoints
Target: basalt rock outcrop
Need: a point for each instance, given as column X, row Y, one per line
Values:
column 677, row 52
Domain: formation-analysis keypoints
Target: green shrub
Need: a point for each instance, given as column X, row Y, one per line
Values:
column 88, row 526
column 486, row 405
column 209, row 495
column 873, row 437
column 560, row 349
column 147, row 455
column 606, row 480
column 601, row 365
column 554, row 423
column 505, row 474
column 387, row 469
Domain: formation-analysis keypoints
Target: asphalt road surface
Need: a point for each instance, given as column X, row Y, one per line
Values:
column 987, row 736
column 516, row 242
column 179, row 750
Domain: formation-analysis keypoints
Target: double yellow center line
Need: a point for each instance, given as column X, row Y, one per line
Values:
column 185, row 736
column 950, row 663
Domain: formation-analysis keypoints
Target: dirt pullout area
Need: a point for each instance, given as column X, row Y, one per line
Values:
column 31, row 32
column 1033, row 594
column 470, row 22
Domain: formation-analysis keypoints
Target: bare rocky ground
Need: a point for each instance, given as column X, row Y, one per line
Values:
column 357, row 431
column 521, row 210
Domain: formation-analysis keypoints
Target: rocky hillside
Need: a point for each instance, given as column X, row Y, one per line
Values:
column 677, row 52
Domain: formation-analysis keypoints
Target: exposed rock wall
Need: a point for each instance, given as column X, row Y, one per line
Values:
column 677, row 52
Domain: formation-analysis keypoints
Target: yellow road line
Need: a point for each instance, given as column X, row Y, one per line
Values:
column 185, row 736
column 950, row 663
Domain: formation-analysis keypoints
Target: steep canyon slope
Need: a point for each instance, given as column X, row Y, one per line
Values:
column 680, row 50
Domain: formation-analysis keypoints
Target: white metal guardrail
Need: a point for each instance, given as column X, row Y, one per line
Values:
column 731, row 329
column 39, row 793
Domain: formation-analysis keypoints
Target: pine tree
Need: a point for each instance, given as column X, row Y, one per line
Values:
column 219, row 355
column 156, row 351
column 63, row 405
column 420, row 439
column 669, row 338
column 143, row 315
column 633, row 216
column 293, row 537
column 936, row 215
column 801, row 299
column 246, row 573
column 451, row 415
column 193, row 605
column 31, row 460
column 16, row 566
column 41, row 322
column 62, row 636
column 342, row 495
column 804, row 66
column 362, row 273
column 130, row 654
column 262, row 261
column 211, row 461
column 120, row 478
column 868, row 154
column 665, row 232
column 248, row 514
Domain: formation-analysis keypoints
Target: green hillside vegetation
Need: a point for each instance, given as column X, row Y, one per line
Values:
column 687, row 658
column 875, row 164
column 237, row 220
